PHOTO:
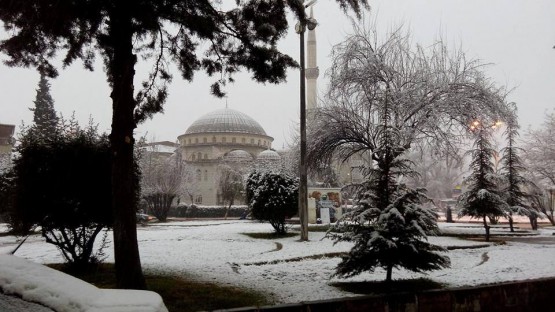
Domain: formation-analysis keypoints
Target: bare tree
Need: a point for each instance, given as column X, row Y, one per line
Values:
column 191, row 182
column 231, row 185
column 161, row 182
column 437, row 172
column 539, row 150
column 433, row 95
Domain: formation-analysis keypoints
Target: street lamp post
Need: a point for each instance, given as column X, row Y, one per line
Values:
column 303, row 191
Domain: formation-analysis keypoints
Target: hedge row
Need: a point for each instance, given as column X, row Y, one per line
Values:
column 194, row 211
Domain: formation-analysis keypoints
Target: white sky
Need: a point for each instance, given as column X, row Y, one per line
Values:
column 516, row 36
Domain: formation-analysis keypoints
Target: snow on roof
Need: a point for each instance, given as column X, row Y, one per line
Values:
column 61, row 292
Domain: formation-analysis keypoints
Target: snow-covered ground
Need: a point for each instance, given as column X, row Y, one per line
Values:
column 217, row 251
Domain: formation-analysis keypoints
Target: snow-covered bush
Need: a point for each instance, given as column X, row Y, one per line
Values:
column 272, row 197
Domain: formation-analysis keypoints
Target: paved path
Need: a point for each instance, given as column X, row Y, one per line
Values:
column 15, row 304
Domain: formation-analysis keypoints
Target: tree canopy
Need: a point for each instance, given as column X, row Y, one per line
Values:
column 195, row 35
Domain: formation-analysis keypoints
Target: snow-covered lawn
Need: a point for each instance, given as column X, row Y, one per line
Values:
column 217, row 251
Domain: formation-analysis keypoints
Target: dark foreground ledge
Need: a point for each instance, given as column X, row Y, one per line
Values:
column 530, row 295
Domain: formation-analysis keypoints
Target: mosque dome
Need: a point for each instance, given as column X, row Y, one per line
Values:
column 238, row 156
column 226, row 121
column 268, row 155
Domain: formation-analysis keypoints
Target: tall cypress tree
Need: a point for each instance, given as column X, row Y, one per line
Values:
column 44, row 115
column 514, row 181
column 482, row 200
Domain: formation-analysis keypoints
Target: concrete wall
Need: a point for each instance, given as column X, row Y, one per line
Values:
column 532, row 295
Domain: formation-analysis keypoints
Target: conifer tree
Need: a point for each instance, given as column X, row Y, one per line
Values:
column 482, row 199
column 44, row 115
column 512, row 167
column 390, row 225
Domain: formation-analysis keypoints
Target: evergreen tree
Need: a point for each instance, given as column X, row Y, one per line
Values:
column 272, row 197
column 62, row 183
column 125, row 32
column 482, row 199
column 44, row 115
column 512, row 167
column 389, row 225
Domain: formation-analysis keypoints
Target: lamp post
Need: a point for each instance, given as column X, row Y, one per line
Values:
column 303, row 191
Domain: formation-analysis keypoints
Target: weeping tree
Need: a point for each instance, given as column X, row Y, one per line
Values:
column 483, row 198
column 383, row 98
column 195, row 35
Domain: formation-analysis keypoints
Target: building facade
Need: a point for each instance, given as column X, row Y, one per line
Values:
column 222, row 136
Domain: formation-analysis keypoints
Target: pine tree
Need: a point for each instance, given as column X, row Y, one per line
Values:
column 44, row 115
column 482, row 200
column 390, row 225
column 512, row 167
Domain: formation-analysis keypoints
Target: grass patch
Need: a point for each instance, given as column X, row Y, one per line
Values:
column 382, row 287
column 179, row 294
column 266, row 235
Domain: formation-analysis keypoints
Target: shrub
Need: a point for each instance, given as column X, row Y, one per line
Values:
column 272, row 197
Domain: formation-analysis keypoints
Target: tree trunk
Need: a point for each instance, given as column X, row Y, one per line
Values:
column 511, row 223
column 388, row 277
column 486, row 226
column 121, row 72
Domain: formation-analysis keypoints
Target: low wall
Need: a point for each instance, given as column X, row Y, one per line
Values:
column 531, row 295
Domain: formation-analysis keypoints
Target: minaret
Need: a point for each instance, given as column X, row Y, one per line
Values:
column 311, row 71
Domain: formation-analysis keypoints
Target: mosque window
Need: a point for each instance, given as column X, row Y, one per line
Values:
column 198, row 199
column 198, row 174
column 258, row 142
column 233, row 140
column 205, row 156
column 252, row 141
column 243, row 140
column 196, row 140
column 189, row 141
column 205, row 175
column 224, row 139
column 205, row 140
column 214, row 139
column 199, row 155
column 193, row 157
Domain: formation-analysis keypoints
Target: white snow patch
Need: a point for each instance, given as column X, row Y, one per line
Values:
column 61, row 292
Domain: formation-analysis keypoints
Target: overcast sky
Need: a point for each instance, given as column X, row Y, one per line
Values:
column 516, row 36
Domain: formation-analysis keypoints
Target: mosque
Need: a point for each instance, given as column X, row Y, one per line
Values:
column 229, row 136
column 224, row 135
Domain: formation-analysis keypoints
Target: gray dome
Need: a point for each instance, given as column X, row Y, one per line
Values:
column 238, row 155
column 225, row 120
column 268, row 155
